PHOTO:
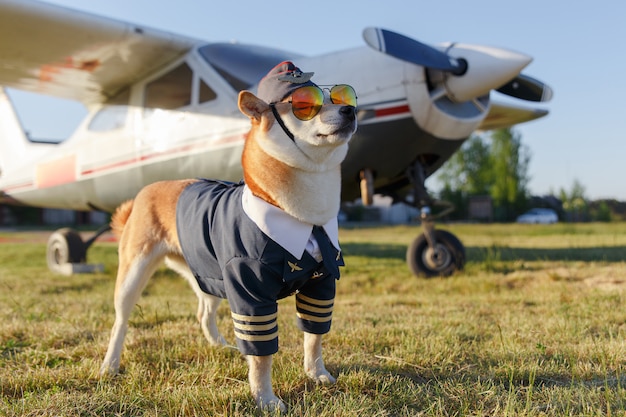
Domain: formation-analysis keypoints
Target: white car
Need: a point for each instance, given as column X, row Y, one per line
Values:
column 539, row 215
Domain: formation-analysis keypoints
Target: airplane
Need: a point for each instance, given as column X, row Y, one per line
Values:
column 164, row 106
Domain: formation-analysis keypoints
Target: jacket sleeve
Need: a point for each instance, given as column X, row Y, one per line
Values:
column 252, row 289
column 314, row 305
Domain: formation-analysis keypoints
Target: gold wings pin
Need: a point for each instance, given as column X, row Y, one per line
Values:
column 294, row 266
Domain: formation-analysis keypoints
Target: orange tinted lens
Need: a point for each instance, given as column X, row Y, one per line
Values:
column 306, row 102
column 343, row 94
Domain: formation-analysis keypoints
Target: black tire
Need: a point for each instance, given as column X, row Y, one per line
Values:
column 65, row 246
column 448, row 257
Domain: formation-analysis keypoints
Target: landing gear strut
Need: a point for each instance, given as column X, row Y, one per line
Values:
column 434, row 252
column 367, row 186
column 66, row 253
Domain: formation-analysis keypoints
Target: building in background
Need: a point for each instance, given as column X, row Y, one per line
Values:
column 32, row 216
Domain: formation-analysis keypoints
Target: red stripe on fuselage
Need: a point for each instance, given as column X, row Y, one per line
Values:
column 63, row 171
column 14, row 187
column 391, row 111
column 170, row 152
column 108, row 166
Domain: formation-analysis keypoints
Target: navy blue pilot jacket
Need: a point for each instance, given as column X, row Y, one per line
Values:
column 233, row 259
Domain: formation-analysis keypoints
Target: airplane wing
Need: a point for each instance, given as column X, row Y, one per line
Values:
column 75, row 55
column 505, row 115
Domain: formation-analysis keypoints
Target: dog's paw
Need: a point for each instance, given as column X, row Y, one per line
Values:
column 270, row 404
column 326, row 379
column 322, row 377
column 218, row 341
column 108, row 371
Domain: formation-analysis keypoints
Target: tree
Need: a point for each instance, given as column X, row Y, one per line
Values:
column 509, row 170
column 602, row 212
column 465, row 175
column 468, row 169
column 575, row 203
column 494, row 164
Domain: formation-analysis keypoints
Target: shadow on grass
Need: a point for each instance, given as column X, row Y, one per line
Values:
column 519, row 388
column 374, row 250
column 503, row 253
column 500, row 253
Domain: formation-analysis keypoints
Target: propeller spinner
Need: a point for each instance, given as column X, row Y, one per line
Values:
column 472, row 70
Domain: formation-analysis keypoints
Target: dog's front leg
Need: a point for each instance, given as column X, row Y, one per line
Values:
column 260, row 377
column 313, row 361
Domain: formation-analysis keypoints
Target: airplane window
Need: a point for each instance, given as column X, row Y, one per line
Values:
column 109, row 118
column 113, row 115
column 206, row 93
column 170, row 91
column 242, row 65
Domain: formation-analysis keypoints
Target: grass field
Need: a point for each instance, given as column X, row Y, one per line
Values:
column 534, row 326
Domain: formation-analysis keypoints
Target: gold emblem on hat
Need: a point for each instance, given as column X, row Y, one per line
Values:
column 295, row 76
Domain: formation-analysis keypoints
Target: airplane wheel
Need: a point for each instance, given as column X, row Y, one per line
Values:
column 447, row 257
column 65, row 246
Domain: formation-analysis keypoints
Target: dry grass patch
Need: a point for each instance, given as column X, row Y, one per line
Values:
column 534, row 326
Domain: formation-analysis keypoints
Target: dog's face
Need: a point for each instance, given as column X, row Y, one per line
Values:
column 333, row 125
column 317, row 144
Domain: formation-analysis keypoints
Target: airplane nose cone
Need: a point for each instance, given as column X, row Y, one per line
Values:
column 487, row 68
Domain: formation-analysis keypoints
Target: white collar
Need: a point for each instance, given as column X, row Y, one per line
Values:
column 289, row 232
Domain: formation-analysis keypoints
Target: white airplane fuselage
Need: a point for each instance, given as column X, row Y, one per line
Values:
column 130, row 141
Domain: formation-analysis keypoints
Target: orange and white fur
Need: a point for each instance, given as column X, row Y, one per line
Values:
column 302, row 177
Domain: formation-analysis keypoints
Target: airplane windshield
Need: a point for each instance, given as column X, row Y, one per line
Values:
column 242, row 66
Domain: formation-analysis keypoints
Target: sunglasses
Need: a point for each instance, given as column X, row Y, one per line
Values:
column 307, row 101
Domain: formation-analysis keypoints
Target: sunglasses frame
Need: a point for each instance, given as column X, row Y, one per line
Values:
column 316, row 107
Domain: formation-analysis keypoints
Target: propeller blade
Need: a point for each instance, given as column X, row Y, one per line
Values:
column 476, row 69
column 527, row 88
column 410, row 50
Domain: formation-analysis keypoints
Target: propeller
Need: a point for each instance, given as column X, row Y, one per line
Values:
column 527, row 88
column 410, row 50
column 478, row 72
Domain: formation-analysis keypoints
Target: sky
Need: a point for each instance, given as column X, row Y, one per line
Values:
column 578, row 49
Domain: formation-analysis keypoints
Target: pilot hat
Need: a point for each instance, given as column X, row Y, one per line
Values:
column 281, row 81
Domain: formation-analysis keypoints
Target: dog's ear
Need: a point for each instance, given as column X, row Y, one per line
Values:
column 251, row 105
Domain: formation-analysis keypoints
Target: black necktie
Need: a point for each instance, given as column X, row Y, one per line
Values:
column 329, row 253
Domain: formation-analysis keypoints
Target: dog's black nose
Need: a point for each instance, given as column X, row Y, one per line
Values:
column 349, row 112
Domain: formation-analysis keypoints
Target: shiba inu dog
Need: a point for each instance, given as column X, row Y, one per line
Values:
column 273, row 235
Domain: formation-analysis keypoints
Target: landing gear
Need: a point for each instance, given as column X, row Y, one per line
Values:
column 434, row 252
column 443, row 258
column 66, row 253
column 65, row 246
column 367, row 186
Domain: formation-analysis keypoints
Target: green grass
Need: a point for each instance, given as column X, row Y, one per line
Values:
column 534, row 326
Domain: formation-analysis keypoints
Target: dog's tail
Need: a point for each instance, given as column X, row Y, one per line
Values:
column 120, row 217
